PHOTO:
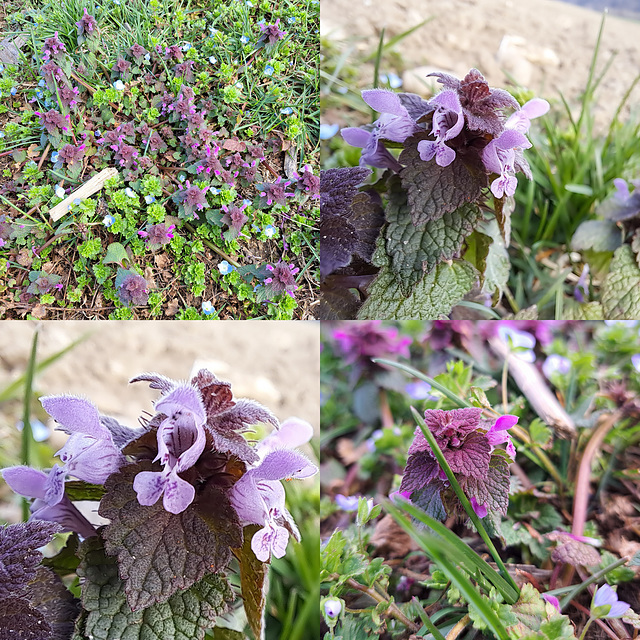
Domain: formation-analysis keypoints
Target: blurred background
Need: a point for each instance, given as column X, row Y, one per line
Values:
column 275, row 363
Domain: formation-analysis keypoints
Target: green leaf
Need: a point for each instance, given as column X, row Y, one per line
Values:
column 597, row 235
column 495, row 273
column 620, row 298
column 556, row 629
column 416, row 249
column 66, row 561
column 433, row 190
column 160, row 552
column 116, row 253
column 253, row 581
column 222, row 633
column 332, row 553
column 432, row 297
column 540, row 433
column 79, row 490
column 587, row 311
column 635, row 245
column 184, row 616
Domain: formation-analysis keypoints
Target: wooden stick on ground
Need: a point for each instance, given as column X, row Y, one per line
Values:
column 87, row 189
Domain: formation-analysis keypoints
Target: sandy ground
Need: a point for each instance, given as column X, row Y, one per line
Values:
column 276, row 363
column 546, row 45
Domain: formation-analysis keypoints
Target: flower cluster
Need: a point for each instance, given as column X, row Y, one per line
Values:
column 157, row 235
column 470, row 447
column 193, row 441
column 271, row 33
column 465, row 121
column 361, row 341
column 281, row 279
column 131, row 287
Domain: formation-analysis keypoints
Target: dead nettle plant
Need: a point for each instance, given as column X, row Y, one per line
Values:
column 183, row 493
column 436, row 224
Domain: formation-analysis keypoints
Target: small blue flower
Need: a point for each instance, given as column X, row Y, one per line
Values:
column 269, row 231
column 118, row 85
column 147, row 57
column 249, row 3
column 39, row 431
column 130, row 192
column 244, row 39
column 116, row 2
column 215, row 191
column 213, row 30
column 213, row 60
column 291, row 20
column 224, row 267
column 149, row 199
column 328, row 131
column 182, row 177
column 42, row 83
column 47, row 103
column 1, row 134
column 108, row 220
column 287, row 111
column 13, row 91
column 54, row 157
column 77, row 201
column 238, row 85
column 60, row 192
column 207, row 308
column 246, row 202
column 268, row 70
column 255, row 227
column 39, row 95
column 97, row 133
column 1, row 68
column 393, row 79
column 186, row 47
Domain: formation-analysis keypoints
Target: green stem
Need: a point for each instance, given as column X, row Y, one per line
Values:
column 27, row 436
column 426, row 621
column 594, row 578
column 463, row 499
column 586, row 626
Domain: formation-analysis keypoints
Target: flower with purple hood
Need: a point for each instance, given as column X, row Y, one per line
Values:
column 395, row 124
column 271, row 33
column 49, row 503
column 499, row 156
column 259, row 497
column 447, row 123
column 181, row 440
column 87, row 25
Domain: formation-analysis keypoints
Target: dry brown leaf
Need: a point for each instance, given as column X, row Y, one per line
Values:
column 162, row 260
column 172, row 308
column 39, row 312
column 348, row 452
column 390, row 540
column 24, row 258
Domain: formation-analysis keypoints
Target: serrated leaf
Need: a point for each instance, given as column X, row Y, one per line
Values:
column 586, row 311
column 253, row 581
column 184, row 616
column 621, row 287
column 433, row 190
column 597, row 235
column 472, row 459
column 417, row 249
column 160, row 552
column 497, row 265
column 116, row 253
column 555, row 629
column 331, row 555
column 432, row 298
column 492, row 490
column 530, row 611
column 430, row 502
column 540, row 433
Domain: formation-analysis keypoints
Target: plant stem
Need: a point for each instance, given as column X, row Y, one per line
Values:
column 586, row 626
column 392, row 607
column 27, row 435
column 463, row 499
column 458, row 628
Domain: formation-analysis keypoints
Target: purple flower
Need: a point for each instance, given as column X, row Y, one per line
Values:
column 605, row 604
column 53, row 48
column 499, row 156
column 181, row 440
column 447, row 123
column 131, row 287
column 480, row 509
column 581, row 290
column 138, row 51
column 332, row 608
column 552, row 600
column 87, row 24
column 497, row 434
column 347, row 503
column 270, row 33
column 282, row 278
column 50, row 504
column 192, row 198
column 53, row 121
column 361, row 341
column 419, row 390
column 521, row 119
column 395, row 124
column 71, row 155
column 293, row 432
column 234, row 218
column 274, row 191
column 556, row 364
column 157, row 235
column 521, row 342
column 258, row 498
column 89, row 453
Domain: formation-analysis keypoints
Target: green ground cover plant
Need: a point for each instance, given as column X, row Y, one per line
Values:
column 208, row 113
column 479, row 480
column 563, row 245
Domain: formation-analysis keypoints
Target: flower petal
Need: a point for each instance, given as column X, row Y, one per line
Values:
column 183, row 398
column 384, row 101
column 293, row 432
column 25, row 481
column 54, row 487
column 270, row 540
column 356, row 137
column 178, row 494
column 535, row 108
column 281, row 464
column 149, row 486
column 75, row 415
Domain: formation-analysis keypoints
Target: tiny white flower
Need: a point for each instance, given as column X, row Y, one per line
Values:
column 60, row 192
column 118, row 85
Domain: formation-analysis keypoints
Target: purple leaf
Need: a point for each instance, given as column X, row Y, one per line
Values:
column 472, row 458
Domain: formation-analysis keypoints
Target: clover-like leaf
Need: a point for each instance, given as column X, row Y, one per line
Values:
column 416, row 249
column 620, row 300
column 159, row 552
column 433, row 190
column 107, row 615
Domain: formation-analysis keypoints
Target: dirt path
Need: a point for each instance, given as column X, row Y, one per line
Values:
column 546, row 45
